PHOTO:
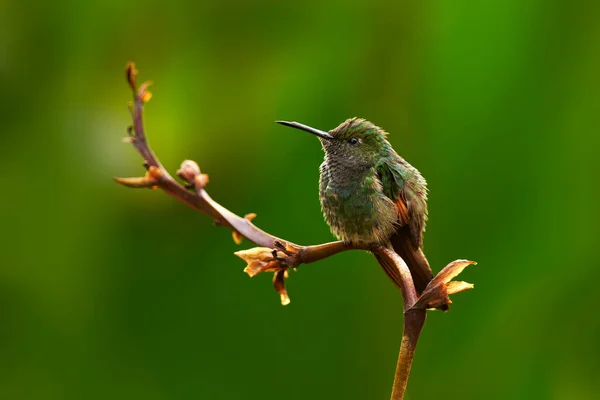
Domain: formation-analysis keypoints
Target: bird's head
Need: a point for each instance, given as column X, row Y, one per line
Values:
column 356, row 142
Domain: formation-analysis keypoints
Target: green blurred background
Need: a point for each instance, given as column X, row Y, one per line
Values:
column 111, row 293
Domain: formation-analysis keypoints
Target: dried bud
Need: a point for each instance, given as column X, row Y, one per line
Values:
column 279, row 284
column 436, row 294
column 237, row 237
column 260, row 259
column 143, row 93
column 131, row 73
column 200, row 181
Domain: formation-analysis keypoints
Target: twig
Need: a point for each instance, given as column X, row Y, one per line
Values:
column 414, row 319
column 278, row 255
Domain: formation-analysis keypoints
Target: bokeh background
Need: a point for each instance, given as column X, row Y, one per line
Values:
column 107, row 292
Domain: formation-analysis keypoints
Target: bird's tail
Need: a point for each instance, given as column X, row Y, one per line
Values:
column 413, row 257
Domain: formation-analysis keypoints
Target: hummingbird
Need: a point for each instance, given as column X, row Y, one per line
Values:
column 371, row 195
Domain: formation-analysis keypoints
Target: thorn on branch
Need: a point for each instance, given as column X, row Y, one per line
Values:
column 137, row 182
column 150, row 180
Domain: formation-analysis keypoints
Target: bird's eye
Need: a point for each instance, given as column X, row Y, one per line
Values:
column 354, row 141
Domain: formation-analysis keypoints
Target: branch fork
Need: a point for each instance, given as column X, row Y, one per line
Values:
column 277, row 255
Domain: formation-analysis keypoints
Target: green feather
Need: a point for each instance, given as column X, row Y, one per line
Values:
column 391, row 178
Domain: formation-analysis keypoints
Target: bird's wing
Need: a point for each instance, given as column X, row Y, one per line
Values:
column 410, row 200
column 412, row 214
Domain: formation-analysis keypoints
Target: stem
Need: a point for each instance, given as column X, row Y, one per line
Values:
column 414, row 320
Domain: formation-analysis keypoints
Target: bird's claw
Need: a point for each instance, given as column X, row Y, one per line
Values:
column 286, row 254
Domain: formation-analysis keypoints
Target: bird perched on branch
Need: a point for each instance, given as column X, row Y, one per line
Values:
column 370, row 194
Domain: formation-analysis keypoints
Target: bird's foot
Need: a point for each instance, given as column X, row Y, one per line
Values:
column 288, row 255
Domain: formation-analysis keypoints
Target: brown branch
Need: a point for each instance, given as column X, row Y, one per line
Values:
column 284, row 254
column 277, row 255
column 413, row 324
column 435, row 296
column 414, row 318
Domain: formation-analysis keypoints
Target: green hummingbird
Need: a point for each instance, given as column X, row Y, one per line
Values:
column 369, row 194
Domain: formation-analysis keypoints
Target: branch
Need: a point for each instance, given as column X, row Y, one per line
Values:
column 278, row 255
column 435, row 296
column 274, row 254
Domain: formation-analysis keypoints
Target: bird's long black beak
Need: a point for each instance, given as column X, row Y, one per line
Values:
column 319, row 133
